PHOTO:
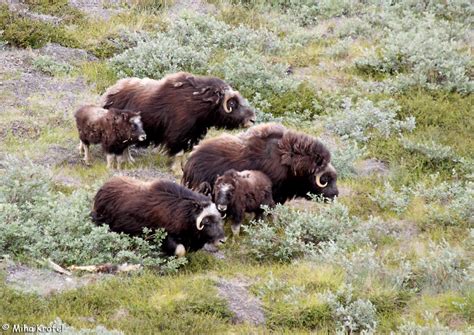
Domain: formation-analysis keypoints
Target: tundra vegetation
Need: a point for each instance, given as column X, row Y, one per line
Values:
column 386, row 85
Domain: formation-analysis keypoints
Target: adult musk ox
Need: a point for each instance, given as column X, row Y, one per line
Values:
column 115, row 129
column 128, row 205
column 296, row 163
column 237, row 193
column 178, row 110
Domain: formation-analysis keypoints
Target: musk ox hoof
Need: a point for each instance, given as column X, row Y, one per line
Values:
column 180, row 251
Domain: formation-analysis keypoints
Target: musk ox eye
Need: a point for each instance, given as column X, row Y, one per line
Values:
column 232, row 104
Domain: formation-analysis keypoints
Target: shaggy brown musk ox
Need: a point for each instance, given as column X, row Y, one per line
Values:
column 296, row 163
column 115, row 129
column 128, row 205
column 236, row 193
column 178, row 110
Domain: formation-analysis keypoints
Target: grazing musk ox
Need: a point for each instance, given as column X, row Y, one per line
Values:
column 236, row 193
column 296, row 163
column 190, row 219
column 115, row 129
column 178, row 110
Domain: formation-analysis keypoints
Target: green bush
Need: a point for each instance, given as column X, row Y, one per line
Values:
column 49, row 66
column 24, row 32
column 37, row 221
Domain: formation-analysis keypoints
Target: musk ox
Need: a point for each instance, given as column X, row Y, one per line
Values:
column 190, row 219
column 115, row 129
column 296, row 163
column 236, row 193
column 178, row 110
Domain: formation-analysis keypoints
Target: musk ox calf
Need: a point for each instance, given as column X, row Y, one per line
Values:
column 296, row 163
column 190, row 219
column 115, row 129
column 237, row 193
column 178, row 110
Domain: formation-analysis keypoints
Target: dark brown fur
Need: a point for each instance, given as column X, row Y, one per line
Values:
column 290, row 159
column 178, row 110
column 237, row 193
column 127, row 205
column 113, row 128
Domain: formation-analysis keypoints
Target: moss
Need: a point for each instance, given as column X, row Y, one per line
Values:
column 59, row 8
column 24, row 32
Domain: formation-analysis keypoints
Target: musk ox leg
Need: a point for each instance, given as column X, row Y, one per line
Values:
column 180, row 251
column 235, row 229
column 177, row 165
column 171, row 247
column 87, row 154
column 110, row 161
column 128, row 155
column 81, row 148
column 120, row 160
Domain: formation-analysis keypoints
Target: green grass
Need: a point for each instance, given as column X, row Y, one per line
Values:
column 189, row 302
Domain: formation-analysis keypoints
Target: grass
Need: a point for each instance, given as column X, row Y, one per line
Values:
column 292, row 293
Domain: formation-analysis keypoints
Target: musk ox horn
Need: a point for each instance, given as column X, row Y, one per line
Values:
column 229, row 93
column 318, row 180
column 199, row 226
column 318, row 176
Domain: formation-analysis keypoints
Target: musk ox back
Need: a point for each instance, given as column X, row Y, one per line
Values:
column 237, row 193
column 296, row 163
column 178, row 110
column 128, row 205
column 115, row 129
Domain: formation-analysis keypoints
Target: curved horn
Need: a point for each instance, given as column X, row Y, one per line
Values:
column 318, row 180
column 199, row 226
column 228, row 93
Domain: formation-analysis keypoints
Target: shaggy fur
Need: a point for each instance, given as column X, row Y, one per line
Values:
column 178, row 110
column 290, row 159
column 128, row 205
column 115, row 129
column 237, row 193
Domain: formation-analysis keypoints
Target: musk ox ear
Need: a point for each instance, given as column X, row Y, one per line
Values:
column 204, row 188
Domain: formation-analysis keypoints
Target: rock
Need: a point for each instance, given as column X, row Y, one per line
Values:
column 65, row 54
column 371, row 167
column 246, row 308
column 44, row 281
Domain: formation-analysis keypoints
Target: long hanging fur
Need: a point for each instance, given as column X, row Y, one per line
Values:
column 178, row 110
column 290, row 159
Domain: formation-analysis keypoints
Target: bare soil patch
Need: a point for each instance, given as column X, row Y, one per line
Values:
column 246, row 308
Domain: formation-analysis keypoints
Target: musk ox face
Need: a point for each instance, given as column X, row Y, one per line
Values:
column 134, row 125
column 209, row 223
column 235, row 110
column 324, row 183
column 224, row 190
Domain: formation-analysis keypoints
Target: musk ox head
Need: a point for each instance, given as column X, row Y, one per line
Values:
column 235, row 107
column 224, row 190
column 232, row 110
column 209, row 223
column 130, row 125
column 325, row 182
column 309, row 161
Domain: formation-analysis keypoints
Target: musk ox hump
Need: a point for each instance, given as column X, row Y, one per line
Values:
column 264, row 131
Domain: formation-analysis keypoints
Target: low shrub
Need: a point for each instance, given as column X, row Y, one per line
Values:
column 421, row 51
column 49, row 66
column 24, row 32
column 37, row 221
column 365, row 119
column 296, row 233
